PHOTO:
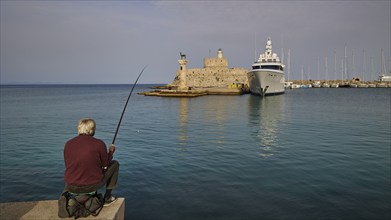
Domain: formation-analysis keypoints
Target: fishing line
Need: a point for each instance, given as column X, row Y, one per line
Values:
column 126, row 104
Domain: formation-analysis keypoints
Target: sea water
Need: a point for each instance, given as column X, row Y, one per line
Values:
column 307, row 154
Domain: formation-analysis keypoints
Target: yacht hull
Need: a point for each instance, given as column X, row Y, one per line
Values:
column 266, row 82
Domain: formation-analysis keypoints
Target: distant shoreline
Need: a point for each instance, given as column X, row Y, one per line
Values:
column 77, row 84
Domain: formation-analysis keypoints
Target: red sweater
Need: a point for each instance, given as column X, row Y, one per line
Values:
column 84, row 158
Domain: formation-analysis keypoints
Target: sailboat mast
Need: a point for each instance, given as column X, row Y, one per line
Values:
column 318, row 68
column 372, row 69
column 289, row 62
column 345, row 68
column 255, row 46
column 353, row 69
column 363, row 65
column 342, row 69
column 383, row 64
column 326, row 71
column 335, row 65
column 282, row 48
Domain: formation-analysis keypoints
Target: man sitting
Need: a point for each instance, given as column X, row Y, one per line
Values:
column 88, row 164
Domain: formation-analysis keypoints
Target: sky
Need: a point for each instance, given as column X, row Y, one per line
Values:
column 109, row 42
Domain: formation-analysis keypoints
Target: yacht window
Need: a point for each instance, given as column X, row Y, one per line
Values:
column 271, row 67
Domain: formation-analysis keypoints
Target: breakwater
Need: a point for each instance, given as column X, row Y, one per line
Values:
column 195, row 92
column 336, row 84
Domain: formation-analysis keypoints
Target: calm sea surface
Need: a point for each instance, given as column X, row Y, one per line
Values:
column 307, row 154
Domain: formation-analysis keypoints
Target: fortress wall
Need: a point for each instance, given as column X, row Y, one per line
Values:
column 214, row 77
column 214, row 74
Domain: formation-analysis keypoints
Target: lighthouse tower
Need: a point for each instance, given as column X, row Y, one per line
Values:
column 182, row 73
column 220, row 54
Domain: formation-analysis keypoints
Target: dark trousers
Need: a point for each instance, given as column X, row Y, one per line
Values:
column 109, row 179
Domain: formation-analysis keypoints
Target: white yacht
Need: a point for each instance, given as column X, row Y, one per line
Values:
column 267, row 74
column 384, row 78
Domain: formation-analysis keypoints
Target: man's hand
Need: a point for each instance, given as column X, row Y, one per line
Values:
column 112, row 149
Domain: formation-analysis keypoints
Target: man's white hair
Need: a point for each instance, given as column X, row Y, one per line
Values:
column 86, row 126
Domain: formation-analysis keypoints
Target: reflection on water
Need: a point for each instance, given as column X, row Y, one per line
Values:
column 265, row 114
column 213, row 114
column 183, row 118
column 348, row 179
column 218, row 113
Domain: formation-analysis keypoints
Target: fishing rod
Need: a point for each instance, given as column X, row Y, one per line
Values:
column 126, row 104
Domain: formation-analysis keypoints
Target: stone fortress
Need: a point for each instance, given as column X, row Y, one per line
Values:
column 215, row 73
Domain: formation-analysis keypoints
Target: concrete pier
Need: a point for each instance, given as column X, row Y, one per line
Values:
column 48, row 209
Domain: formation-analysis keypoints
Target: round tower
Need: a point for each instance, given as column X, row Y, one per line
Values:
column 182, row 73
column 220, row 54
